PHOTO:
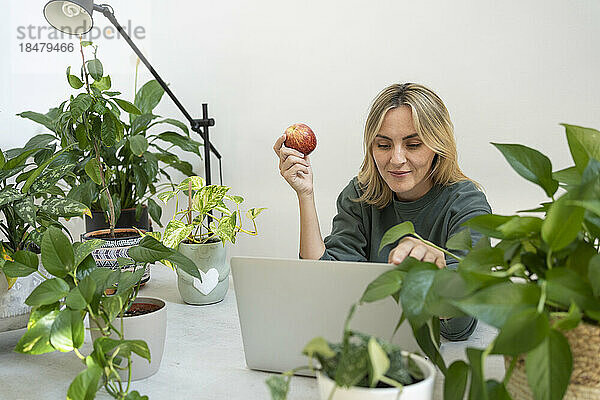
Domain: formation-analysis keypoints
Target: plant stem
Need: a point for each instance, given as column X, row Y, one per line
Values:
column 85, row 74
column 509, row 372
column 437, row 247
column 549, row 259
column 111, row 206
column 540, row 306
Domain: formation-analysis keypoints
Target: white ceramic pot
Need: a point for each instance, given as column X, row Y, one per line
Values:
column 419, row 391
column 151, row 328
column 210, row 259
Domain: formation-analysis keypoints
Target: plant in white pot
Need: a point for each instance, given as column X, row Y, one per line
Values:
column 200, row 234
column 361, row 367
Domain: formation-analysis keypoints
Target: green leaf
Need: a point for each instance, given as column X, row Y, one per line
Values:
column 49, row 178
column 415, row 294
column 518, row 227
column 590, row 205
column 75, row 300
column 26, row 210
column 530, row 164
column 80, row 104
column 278, row 387
column 549, row 367
column 155, row 211
column 18, row 160
column 166, row 196
column 74, row 81
column 108, row 130
column 395, row 233
column 103, row 84
column 253, row 212
column 379, row 361
column 460, row 240
column 570, row 176
column 41, row 119
column 48, row 292
column 86, row 384
column 92, row 169
column 353, row 366
column 129, row 279
column 584, row 144
column 57, row 253
column 456, row 380
column 318, row 346
column 84, row 249
column 37, row 338
column 173, row 122
column 565, row 285
column 496, row 390
column 495, row 304
column 477, row 391
column 67, row 331
column 175, row 232
column 95, row 69
column 571, row 320
column 488, row 224
column 127, row 106
column 562, row 224
column 34, row 175
column 135, row 395
column 522, row 332
column 64, row 207
column 148, row 97
column 196, row 181
column 594, row 274
column 226, row 230
column 9, row 195
column 181, row 141
column 208, row 197
column 138, row 144
column 25, row 263
column 383, row 286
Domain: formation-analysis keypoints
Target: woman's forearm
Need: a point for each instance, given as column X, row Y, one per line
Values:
column 311, row 241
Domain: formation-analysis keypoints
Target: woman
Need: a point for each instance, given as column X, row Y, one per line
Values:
column 409, row 173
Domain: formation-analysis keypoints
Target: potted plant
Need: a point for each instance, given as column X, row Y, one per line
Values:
column 198, row 233
column 30, row 202
column 539, row 285
column 75, row 289
column 118, row 165
column 361, row 367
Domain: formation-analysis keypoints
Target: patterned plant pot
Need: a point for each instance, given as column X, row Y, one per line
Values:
column 113, row 248
column 210, row 259
column 584, row 342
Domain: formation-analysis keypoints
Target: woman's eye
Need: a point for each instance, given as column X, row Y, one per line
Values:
column 383, row 146
column 414, row 145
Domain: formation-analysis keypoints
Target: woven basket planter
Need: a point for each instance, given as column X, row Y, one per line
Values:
column 585, row 378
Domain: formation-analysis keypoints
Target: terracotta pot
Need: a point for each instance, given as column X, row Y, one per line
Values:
column 419, row 391
column 151, row 328
column 584, row 341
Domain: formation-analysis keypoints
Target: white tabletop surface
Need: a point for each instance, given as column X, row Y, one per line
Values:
column 203, row 357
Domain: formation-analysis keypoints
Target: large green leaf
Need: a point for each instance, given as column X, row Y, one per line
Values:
column 37, row 338
column 148, row 96
column 38, row 171
column 155, row 211
column 530, row 164
column 570, row 176
column 488, row 224
column 85, row 385
column 226, row 230
column 318, row 346
column 379, row 361
column 64, row 207
column 92, row 169
column 395, row 233
column 549, row 367
column 562, row 224
column 80, row 104
column 48, row 292
column 173, row 122
column 67, row 330
column 83, row 249
column 49, row 178
column 477, row 390
column 41, row 119
column 75, row 300
column 181, row 141
column 127, row 106
column 103, row 84
column 522, row 332
column 495, row 304
column 383, row 286
column 9, row 195
column 17, row 160
column 73, row 80
column 57, row 253
column 95, row 69
column 138, row 144
column 584, row 144
column 456, row 380
column 460, row 240
column 416, row 293
column 108, row 130
column 518, row 227
column 175, row 232
column 565, row 285
column 353, row 366
column 26, row 210
column 24, row 263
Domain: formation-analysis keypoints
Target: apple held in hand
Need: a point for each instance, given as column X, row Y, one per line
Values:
column 300, row 137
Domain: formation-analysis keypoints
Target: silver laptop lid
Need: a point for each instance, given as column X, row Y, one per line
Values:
column 284, row 303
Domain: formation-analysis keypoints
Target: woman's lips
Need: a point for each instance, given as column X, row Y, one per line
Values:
column 399, row 173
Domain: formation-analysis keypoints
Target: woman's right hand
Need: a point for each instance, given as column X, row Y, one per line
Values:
column 294, row 167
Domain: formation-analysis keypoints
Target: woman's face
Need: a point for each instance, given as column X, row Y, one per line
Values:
column 402, row 158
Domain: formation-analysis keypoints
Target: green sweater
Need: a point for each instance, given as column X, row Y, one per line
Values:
column 358, row 227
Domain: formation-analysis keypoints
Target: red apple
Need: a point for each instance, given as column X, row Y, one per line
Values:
column 300, row 137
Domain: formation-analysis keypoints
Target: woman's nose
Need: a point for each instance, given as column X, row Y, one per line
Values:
column 398, row 156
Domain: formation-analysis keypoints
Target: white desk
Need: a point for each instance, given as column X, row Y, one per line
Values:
column 203, row 357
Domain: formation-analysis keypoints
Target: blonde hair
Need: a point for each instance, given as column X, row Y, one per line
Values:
column 432, row 123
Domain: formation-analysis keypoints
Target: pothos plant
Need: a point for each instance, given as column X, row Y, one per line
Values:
column 540, row 279
column 75, row 289
column 30, row 198
column 126, row 160
column 199, row 222
column 358, row 360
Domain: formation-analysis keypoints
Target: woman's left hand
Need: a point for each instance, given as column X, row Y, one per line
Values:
column 411, row 247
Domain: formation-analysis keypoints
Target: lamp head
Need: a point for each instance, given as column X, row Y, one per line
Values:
column 73, row 17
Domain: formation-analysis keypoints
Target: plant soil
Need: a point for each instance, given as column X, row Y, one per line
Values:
column 137, row 309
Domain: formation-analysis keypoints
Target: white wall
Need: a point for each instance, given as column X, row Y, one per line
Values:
column 508, row 71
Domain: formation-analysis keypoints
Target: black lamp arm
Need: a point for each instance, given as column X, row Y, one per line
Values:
column 199, row 126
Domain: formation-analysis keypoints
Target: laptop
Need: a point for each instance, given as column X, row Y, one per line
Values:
column 284, row 303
